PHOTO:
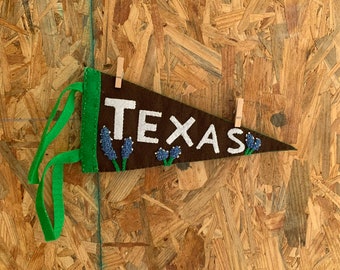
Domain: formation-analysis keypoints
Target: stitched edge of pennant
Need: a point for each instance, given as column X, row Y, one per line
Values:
column 89, row 120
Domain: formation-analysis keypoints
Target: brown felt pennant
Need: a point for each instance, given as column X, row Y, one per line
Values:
column 158, row 126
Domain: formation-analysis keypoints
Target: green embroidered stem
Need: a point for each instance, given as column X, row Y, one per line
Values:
column 116, row 165
column 170, row 160
column 124, row 161
column 249, row 151
column 165, row 162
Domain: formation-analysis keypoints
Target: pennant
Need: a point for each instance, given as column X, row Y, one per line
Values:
column 131, row 128
column 138, row 128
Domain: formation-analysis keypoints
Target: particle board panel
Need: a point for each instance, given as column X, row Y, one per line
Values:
column 276, row 210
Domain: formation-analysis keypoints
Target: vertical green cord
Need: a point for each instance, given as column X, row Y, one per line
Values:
column 92, row 64
column 91, row 25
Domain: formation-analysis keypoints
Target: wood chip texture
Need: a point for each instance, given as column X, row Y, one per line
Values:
column 269, row 211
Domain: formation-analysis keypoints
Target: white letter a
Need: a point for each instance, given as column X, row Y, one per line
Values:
column 205, row 139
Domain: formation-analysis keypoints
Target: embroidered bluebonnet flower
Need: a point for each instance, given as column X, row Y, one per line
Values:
column 257, row 144
column 106, row 143
column 175, row 152
column 162, row 155
column 252, row 144
column 127, row 148
column 250, row 140
column 126, row 151
column 166, row 157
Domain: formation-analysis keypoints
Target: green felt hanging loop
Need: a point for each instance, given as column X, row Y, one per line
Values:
column 50, row 133
column 57, row 162
column 53, row 232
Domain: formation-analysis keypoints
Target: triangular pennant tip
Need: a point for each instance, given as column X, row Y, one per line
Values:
column 138, row 128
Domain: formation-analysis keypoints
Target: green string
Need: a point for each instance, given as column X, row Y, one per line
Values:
column 92, row 40
column 92, row 64
column 52, row 232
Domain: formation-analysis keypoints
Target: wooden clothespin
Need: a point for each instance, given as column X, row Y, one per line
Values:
column 239, row 111
column 119, row 72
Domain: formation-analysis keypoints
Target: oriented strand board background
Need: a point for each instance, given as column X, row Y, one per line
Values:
column 270, row 211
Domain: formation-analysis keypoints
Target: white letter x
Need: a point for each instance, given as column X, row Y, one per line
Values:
column 181, row 130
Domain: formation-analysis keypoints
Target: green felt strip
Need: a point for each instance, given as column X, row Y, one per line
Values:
column 89, row 121
column 51, row 132
column 53, row 232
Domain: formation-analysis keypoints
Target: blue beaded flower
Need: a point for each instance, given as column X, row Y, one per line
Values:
column 175, row 152
column 126, row 151
column 106, row 146
column 162, row 154
column 166, row 157
column 257, row 144
column 106, row 143
column 127, row 148
column 252, row 144
column 250, row 140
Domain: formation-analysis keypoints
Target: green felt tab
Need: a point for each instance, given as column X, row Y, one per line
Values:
column 52, row 232
column 51, row 131
column 89, row 120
